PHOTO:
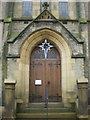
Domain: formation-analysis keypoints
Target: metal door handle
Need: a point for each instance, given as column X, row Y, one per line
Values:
column 48, row 82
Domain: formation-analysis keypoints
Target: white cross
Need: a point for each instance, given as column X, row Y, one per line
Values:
column 45, row 47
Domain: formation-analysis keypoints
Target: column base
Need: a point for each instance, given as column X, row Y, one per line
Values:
column 82, row 117
column 8, row 118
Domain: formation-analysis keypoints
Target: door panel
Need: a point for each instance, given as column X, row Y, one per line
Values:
column 49, row 72
column 53, row 79
column 37, row 73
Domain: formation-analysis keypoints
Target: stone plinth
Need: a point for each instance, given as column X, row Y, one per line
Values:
column 9, row 99
column 82, row 99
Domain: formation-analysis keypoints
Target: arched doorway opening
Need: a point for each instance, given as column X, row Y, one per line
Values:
column 45, row 72
column 68, row 79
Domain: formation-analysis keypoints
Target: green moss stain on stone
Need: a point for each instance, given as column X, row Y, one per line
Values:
column 77, row 35
column 12, row 37
column 82, row 20
column 8, row 19
column 4, row 62
column 4, row 70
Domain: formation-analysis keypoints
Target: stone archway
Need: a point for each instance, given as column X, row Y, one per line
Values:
column 68, row 78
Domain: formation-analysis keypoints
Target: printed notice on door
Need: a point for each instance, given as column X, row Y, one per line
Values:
column 38, row 82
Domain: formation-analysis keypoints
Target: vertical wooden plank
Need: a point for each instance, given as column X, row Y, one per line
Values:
column 53, row 76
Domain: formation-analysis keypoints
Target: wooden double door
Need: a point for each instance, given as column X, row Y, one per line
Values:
column 45, row 73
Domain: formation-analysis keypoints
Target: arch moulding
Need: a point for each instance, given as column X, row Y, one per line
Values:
column 67, row 76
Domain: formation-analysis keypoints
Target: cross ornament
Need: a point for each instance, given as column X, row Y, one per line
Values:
column 45, row 5
column 45, row 47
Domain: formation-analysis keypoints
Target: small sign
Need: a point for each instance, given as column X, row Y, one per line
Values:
column 38, row 82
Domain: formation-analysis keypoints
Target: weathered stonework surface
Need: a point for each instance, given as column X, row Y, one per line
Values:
column 22, row 72
column 1, row 42
column 76, row 47
column 1, row 33
column 4, row 47
column 83, row 8
column 9, row 99
column 72, row 9
column 2, row 10
column 78, row 68
column 55, row 8
column 84, row 35
column 86, row 9
column 82, row 99
column 17, row 9
column 18, row 26
column 73, row 27
column 35, row 8
column 6, row 31
column 89, row 53
column 12, row 65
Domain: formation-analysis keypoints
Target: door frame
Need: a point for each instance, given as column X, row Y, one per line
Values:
column 68, row 77
column 44, row 61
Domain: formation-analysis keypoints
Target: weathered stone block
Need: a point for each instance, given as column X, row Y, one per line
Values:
column 82, row 98
column 9, row 99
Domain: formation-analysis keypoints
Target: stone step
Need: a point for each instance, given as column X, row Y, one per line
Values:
column 46, row 119
column 42, row 116
column 50, row 105
column 44, row 110
column 89, row 109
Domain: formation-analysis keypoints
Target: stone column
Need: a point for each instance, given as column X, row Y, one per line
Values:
column 1, row 43
column 83, row 30
column 55, row 8
column 82, row 16
column 35, row 8
column 18, row 8
column 82, row 99
column 9, row 99
column 72, row 9
column 89, row 49
column 82, row 10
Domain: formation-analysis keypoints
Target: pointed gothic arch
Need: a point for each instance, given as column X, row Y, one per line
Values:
column 68, row 78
